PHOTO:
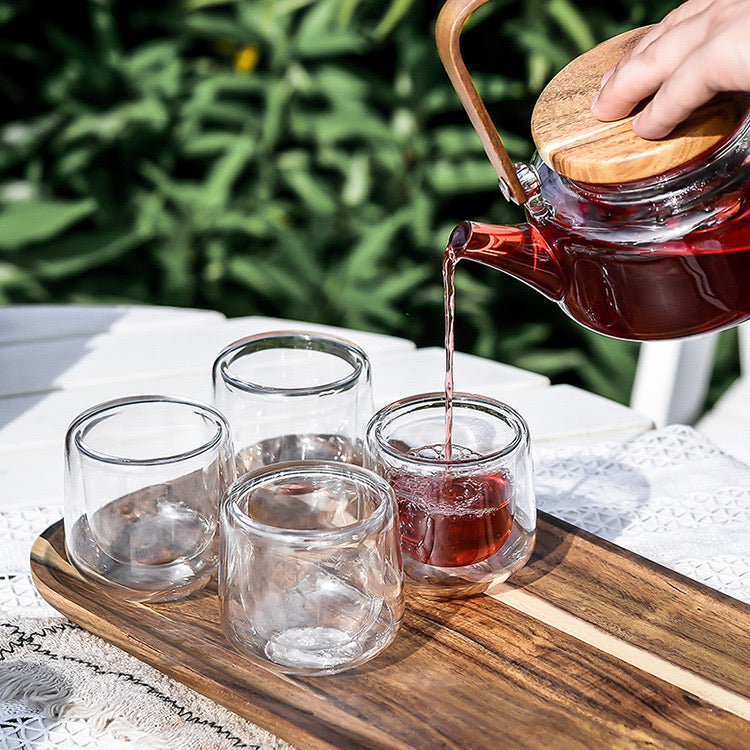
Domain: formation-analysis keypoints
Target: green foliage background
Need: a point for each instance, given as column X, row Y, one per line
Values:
column 299, row 158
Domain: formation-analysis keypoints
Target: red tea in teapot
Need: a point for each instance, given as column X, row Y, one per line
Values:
column 677, row 287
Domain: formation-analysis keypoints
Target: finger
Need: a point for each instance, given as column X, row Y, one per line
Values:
column 702, row 75
column 628, row 85
column 626, row 56
column 677, row 16
column 643, row 73
column 673, row 18
column 672, row 103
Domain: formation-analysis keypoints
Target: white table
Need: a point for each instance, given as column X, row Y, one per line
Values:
column 55, row 361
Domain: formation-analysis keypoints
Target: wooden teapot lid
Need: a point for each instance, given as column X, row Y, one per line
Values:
column 575, row 144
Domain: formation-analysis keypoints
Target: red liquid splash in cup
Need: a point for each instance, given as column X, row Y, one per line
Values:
column 448, row 520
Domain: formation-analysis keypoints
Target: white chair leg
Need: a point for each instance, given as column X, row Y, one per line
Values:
column 743, row 333
column 672, row 379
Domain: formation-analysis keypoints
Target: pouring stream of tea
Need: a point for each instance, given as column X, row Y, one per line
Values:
column 449, row 301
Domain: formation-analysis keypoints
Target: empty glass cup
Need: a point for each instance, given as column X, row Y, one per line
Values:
column 310, row 579
column 144, row 480
column 466, row 522
column 291, row 395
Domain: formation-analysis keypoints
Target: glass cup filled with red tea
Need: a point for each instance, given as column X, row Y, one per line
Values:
column 465, row 496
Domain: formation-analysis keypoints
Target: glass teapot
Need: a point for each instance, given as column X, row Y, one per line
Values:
column 634, row 239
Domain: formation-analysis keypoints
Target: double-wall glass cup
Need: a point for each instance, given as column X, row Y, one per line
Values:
column 294, row 395
column 144, row 478
column 466, row 522
column 310, row 580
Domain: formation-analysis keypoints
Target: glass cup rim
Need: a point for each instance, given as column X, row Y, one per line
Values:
column 343, row 348
column 323, row 537
column 461, row 398
column 103, row 409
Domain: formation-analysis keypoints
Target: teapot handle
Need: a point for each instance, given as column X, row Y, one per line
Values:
column 450, row 21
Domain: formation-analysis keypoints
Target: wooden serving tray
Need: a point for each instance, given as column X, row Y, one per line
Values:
column 589, row 646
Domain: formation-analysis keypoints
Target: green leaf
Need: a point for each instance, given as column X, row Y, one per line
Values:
column 104, row 27
column 346, row 13
column 82, row 252
column 212, row 27
column 270, row 279
column 30, row 221
column 395, row 286
column 152, row 217
column 188, row 196
column 363, row 258
column 330, row 129
column 340, row 86
column 455, row 140
column 234, row 221
column 191, row 5
column 277, row 98
column 249, row 273
column 75, row 160
column 19, row 139
column 207, row 90
column 294, row 167
column 572, row 22
column 460, row 177
column 551, row 362
column 175, row 258
column 208, row 144
column 358, row 180
column 155, row 67
column 339, row 42
column 318, row 34
column 396, row 11
column 109, row 126
column 17, row 283
column 498, row 88
column 226, row 171
column 8, row 10
column 295, row 252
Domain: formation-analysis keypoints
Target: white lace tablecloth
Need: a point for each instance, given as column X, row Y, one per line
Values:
column 668, row 495
column 63, row 688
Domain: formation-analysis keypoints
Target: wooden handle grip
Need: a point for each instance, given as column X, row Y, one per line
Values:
column 450, row 21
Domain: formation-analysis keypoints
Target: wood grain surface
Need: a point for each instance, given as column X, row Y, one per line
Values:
column 577, row 145
column 589, row 646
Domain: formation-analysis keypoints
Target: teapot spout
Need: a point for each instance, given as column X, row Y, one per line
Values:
column 520, row 251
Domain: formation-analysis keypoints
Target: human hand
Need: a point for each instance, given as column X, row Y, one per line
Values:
column 698, row 50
